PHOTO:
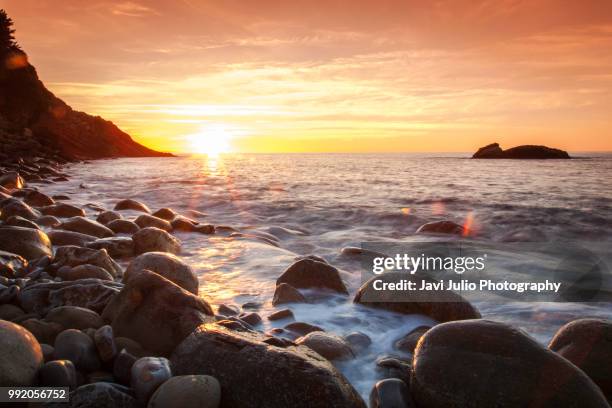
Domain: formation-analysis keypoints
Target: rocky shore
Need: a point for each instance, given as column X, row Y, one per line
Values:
column 144, row 335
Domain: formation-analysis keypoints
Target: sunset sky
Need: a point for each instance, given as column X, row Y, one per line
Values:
column 386, row 75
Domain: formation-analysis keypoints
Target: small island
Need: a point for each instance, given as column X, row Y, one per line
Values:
column 494, row 151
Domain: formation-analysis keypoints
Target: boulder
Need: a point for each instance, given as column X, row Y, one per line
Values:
column 291, row 376
column 132, row 205
column 494, row 151
column 63, row 210
column 74, row 317
column 13, row 207
column 588, row 344
column 441, row 227
column 148, row 373
column 328, row 345
column 167, row 265
column 106, row 217
column 480, row 363
column 123, row 226
column 58, row 373
column 71, row 255
column 309, row 273
column 11, row 180
column 167, row 214
column 285, row 293
column 45, row 332
column 12, row 265
column 146, row 220
column 153, row 239
column 27, row 242
column 86, row 226
column 155, row 312
column 62, row 238
column 78, row 347
column 86, row 271
column 92, row 294
column 442, row 306
column 18, row 221
column 408, row 342
column 187, row 391
column 20, row 356
column 38, row 199
column 117, row 247
column 391, row 393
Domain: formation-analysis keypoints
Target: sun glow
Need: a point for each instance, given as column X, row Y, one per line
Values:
column 211, row 140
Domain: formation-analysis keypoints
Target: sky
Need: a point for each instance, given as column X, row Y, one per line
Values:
column 330, row 76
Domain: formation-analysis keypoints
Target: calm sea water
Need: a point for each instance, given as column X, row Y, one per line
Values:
column 293, row 205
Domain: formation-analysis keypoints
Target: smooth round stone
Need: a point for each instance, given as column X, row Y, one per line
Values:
column 105, row 343
column 358, row 341
column 18, row 221
column 83, row 272
column 38, row 199
column 147, row 374
column 27, row 242
column 76, row 346
column 281, row 314
column 20, row 356
column 328, row 345
column 45, row 332
column 394, row 367
column 122, row 366
column 302, row 328
column 58, row 373
column 117, row 247
column 251, row 318
column 409, row 342
column 285, row 293
column 167, row 214
column 228, row 310
column 153, row 239
column 48, row 221
column 391, row 393
column 62, row 237
column 123, row 226
column 311, row 273
column 146, row 220
column 74, row 317
column 167, row 265
column 63, row 210
column 107, row 216
column 48, row 351
column 130, row 204
column 188, row 391
column 86, row 226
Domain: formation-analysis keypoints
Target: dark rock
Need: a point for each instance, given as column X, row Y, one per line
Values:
column 302, row 328
column 29, row 243
column 167, row 265
column 76, row 346
column 11, row 180
column 391, row 393
column 86, row 226
column 146, row 220
column 122, row 366
column 45, row 332
column 281, row 314
column 328, row 345
column 48, row 352
column 153, row 239
column 131, row 346
column 228, row 310
column 480, row 363
column 148, row 373
column 123, row 226
column 10, row 312
column 132, row 205
column 74, row 317
column 358, row 341
column 71, row 255
column 588, row 344
column 308, row 273
column 441, row 227
column 100, row 394
column 285, row 293
column 38, row 199
column 9, row 294
column 408, row 342
column 12, row 207
column 251, row 318
column 394, row 367
column 20, row 356
column 107, row 216
column 63, row 238
column 86, row 271
column 292, row 376
column 442, row 306
column 12, row 265
column 494, row 151
column 155, row 312
column 48, row 221
column 18, row 221
column 100, row 376
column 167, row 214
column 187, row 391
column 117, row 247
column 105, row 343
column 63, row 210
column 58, row 373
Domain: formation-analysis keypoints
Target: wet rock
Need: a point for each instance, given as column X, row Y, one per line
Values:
column 29, row 243
column 58, row 373
column 132, row 205
column 71, row 255
column 38, row 199
column 20, row 356
column 10, row 312
column 358, row 341
column 394, row 367
column 145, row 220
column 442, row 306
column 391, row 393
column 9, row 294
column 63, row 238
column 281, row 314
column 101, row 394
column 167, row 265
column 408, row 342
column 105, row 343
column 86, row 226
column 148, row 373
column 294, row 376
column 48, row 221
column 86, row 271
column 47, row 351
column 285, row 293
column 63, row 210
column 228, row 310
column 251, row 318
column 480, row 363
column 167, row 214
column 187, row 391
column 76, row 346
column 45, row 332
column 106, row 217
column 155, row 312
column 117, row 247
column 11, row 180
column 18, row 221
column 588, row 344
column 153, row 239
column 302, row 328
column 122, row 366
column 180, row 223
column 74, row 317
column 60, row 197
column 308, row 273
column 13, row 207
column 92, row 294
column 12, row 265
column 123, row 227
column 441, row 227
column 328, row 345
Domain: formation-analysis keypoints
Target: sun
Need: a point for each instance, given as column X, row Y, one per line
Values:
column 211, row 140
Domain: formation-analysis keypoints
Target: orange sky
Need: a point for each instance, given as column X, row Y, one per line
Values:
column 307, row 75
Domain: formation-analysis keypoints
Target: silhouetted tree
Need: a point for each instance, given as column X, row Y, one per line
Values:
column 7, row 39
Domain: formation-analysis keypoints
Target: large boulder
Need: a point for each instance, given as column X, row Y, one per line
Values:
column 62, row 238
column 167, row 265
column 86, row 226
column 71, row 255
column 153, row 239
column 442, row 306
column 155, row 312
column 480, row 363
column 292, row 376
column 92, row 294
column 285, row 293
column 494, row 151
column 146, row 220
column 588, row 344
column 62, row 210
column 27, row 242
column 12, row 207
column 132, row 205
column 20, row 356
column 310, row 273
